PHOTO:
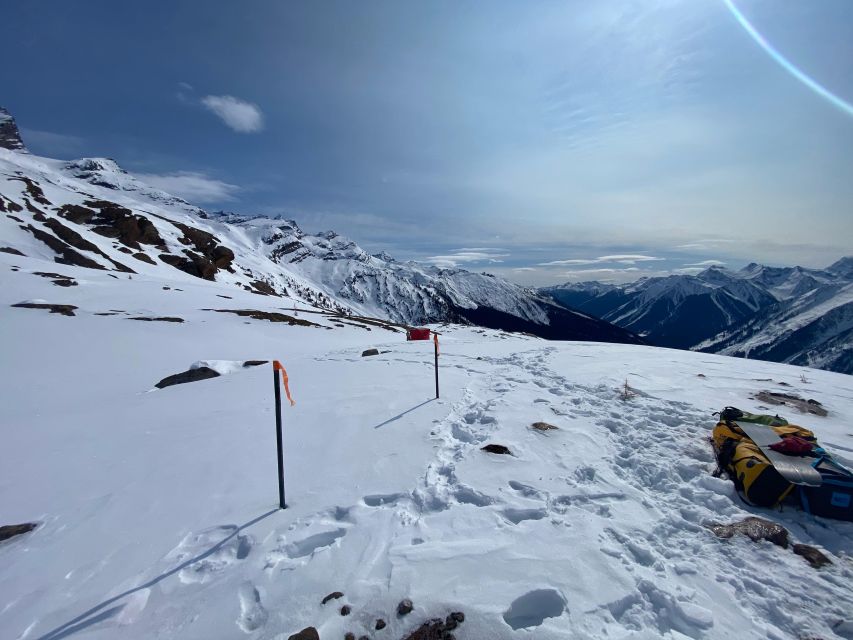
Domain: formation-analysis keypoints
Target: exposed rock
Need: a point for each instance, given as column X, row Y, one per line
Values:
column 59, row 279
column 257, row 363
column 437, row 629
column 158, row 319
column 405, row 607
column 335, row 594
column 115, row 221
column 67, row 255
column 497, row 448
column 144, row 257
column 346, row 610
column 790, row 400
column 380, row 624
column 193, row 264
column 14, row 252
column 10, row 137
column 9, row 205
column 815, row 557
column 219, row 295
column 33, row 190
column 370, row 352
column 64, row 309
column 755, row 528
column 192, row 375
column 349, row 636
column 11, row 530
column 542, row 426
column 262, row 288
column 308, row 633
column 272, row 316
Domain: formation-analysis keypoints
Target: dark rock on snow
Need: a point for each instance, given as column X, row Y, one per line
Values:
column 438, row 629
column 755, row 528
column 11, row 530
column 498, row 449
column 370, row 352
column 332, row 596
column 346, row 610
column 272, row 316
column 542, row 426
column 380, row 624
column 64, row 309
column 14, row 252
column 813, row 555
column 257, row 363
column 308, row 633
column 193, row 375
column 405, row 607
column 159, row 319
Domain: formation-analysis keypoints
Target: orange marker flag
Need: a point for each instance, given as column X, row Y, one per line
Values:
column 277, row 366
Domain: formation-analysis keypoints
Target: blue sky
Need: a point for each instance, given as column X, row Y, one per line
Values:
column 543, row 141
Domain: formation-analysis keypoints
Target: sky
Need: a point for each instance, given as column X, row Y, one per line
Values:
column 542, row 141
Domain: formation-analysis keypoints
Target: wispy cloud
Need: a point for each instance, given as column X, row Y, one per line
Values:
column 240, row 115
column 618, row 259
column 468, row 255
column 706, row 263
column 192, row 186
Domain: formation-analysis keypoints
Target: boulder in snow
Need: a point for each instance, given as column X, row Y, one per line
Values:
column 815, row 557
column 332, row 596
column 308, row 633
column 498, row 449
column 405, row 607
column 11, row 530
column 192, row 375
column 755, row 528
column 370, row 352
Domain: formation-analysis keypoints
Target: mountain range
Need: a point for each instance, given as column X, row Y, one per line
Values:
column 785, row 314
column 91, row 213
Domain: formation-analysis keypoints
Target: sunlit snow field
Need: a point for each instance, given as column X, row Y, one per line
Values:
column 158, row 507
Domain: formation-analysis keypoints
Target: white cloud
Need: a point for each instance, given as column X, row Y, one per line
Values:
column 242, row 116
column 467, row 255
column 706, row 263
column 619, row 259
column 192, row 186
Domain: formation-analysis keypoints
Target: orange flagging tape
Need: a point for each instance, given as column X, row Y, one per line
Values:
column 277, row 366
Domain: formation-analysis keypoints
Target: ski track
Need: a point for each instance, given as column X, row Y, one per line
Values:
column 654, row 458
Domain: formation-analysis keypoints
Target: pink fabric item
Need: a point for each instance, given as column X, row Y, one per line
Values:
column 793, row 445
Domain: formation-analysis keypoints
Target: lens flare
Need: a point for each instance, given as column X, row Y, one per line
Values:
column 786, row 64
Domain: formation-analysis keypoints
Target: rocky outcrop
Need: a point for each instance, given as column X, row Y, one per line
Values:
column 10, row 137
column 12, row 530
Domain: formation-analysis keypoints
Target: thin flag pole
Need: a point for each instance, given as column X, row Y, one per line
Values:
column 278, row 439
column 435, row 342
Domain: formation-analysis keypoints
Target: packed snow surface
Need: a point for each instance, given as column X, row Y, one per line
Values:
column 157, row 509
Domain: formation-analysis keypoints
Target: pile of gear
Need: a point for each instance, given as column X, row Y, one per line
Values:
column 771, row 461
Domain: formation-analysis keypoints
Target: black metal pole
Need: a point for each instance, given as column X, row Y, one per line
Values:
column 278, row 440
column 435, row 342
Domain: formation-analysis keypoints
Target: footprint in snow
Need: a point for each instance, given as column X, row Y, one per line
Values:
column 209, row 552
column 252, row 613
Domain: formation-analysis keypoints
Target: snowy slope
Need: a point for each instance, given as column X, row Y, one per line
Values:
column 790, row 314
column 157, row 507
column 91, row 213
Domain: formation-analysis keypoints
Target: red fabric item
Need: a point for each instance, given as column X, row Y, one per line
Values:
column 418, row 334
column 793, row 445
